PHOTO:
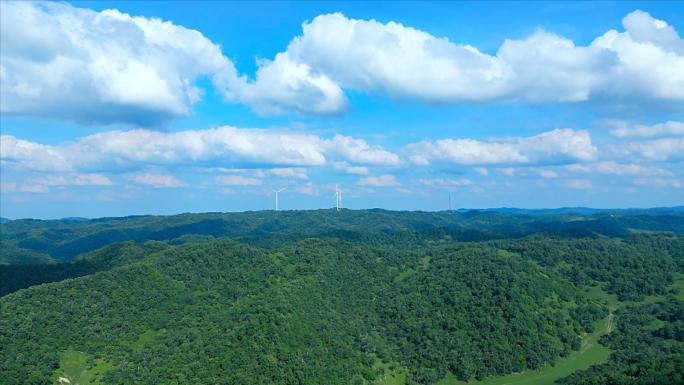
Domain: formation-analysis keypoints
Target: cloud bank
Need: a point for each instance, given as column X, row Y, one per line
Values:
column 335, row 53
column 217, row 147
column 64, row 62
column 670, row 128
column 551, row 147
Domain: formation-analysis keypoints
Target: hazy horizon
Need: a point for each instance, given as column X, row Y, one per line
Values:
column 459, row 209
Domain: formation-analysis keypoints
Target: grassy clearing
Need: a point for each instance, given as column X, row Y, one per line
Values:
column 425, row 262
column 506, row 253
column 80, row 369
column 403, row 275
column 597, row 294
column 591, row 353
column 71, row 365
column 393, row 374
column 678, row 285
column 144, row 338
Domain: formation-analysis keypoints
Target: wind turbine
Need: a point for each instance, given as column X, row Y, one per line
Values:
column 276, row 197
column 338, row 198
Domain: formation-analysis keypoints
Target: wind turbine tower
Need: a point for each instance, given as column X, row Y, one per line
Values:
column 277, row 207
column 338, row 198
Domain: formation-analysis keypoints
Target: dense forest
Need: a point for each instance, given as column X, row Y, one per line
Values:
column 355, row 297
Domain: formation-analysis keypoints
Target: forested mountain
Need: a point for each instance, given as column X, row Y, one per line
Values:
column 66, row 238
column 356, row 297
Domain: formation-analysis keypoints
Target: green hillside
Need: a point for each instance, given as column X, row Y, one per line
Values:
column 64, row 239
column 362, row 298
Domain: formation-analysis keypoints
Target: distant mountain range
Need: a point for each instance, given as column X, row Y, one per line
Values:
column 579, row 210
column 507, row 210
column 31, row 240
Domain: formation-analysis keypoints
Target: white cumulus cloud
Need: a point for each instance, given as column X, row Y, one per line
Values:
column 74, row 179
column 670, row 128
column 284, row 86
column 645, row 61
column 286, row 172
column 349, row 169
column 157, row 180
column 659, row 182
column 32, row 156
column 360, row 152
column 216, row 147
column 552, row 147
column 71, row 63
column 663, row 149
column 446, row 182
column 237, row 180
column 379, row 181
column 615, row 168
column 65, row 62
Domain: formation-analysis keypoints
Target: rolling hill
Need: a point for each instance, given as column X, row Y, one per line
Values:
column 357, row 297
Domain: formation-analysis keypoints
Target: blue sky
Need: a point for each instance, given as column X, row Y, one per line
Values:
column 119, row 108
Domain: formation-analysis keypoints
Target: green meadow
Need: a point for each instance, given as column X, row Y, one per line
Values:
column 79, row 369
